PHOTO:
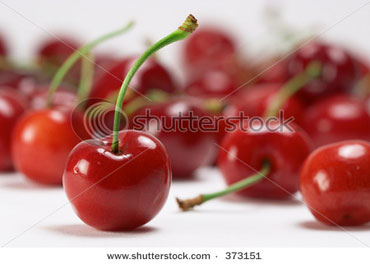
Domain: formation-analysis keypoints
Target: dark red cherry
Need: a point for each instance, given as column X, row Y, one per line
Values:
column 335, row 183
column 339, row 71
column 212, row 83
column 255, row 100
column 244, row 151
column 53, row 52
column 24, row 81
column 12, row 106
column 181, row 138
column 42, row 141
column 152, row 75
column 118, row 191
column 208, row 48
column 337, row 118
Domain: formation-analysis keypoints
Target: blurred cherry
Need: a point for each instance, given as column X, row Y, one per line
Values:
column 12, row 106
column 337, row 118
column 339, row 70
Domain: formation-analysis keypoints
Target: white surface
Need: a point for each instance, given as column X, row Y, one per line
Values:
column 38, row 216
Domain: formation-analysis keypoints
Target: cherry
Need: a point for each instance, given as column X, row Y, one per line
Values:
column 44, row 138
column 122, row 182
column 284, row 150
column 151, row 76
column 42, row 141
column 178, row 137
column 52, row 53
column 335, row 183
column 208, row 48
column 118, row 191
column 63, row 97
column 261, row 160
column 256, row 99
column 339, row 70
column 337, row 118
column 212, row 83
column 12, row 106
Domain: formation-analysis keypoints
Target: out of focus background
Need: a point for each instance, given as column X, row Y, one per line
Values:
column 256, row 24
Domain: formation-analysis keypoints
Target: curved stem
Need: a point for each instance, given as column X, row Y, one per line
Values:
column 182, row 32
column 311, row 72
column 87, row 75
column 187, row 204
column 74, row 57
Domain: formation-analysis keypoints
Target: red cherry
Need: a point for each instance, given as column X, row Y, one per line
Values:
column 255, row 100
column 12, row 106
column 337, row 118
column 118, row 191
column 196, row 145
column 244, row 152
column 24, row 81
column 212, row 83
column 335, row 183
column 208, row 48
column 42, row 141
column 53, row 52
column 150, row 76
column 339, row 71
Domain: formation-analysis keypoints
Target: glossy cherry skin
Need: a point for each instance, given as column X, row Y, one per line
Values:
column 150, row 76
column 122, row 191
column 285, row 151
column 42, row 141
column 212, row 84
column 337, row 118
column 339, row 70
column 188, row 150
column 335, row 183
column 12, row 106
column 207, row 48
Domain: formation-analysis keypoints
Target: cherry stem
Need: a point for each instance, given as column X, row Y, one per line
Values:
column 87, row 75
column 311, row 72
column 181, row 33
column 75, row 56
column 188, row 204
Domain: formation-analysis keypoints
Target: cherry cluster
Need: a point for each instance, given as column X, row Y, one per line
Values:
column 120, row 179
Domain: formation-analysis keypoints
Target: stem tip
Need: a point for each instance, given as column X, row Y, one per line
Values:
column 190, row 24
column 186, row 205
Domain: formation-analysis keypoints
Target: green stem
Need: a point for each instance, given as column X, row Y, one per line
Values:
column 182, row 32
column 74, row 57
column 187, row 204
column 311, row 72
column 87, row 75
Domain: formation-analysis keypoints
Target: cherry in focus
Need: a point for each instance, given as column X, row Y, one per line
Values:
column 337, row 118
column 335, row 183
column 339, row 70
column 188, row 146
column 12, row 106
column 243, row 153
column 118, row 191
column 42, row 141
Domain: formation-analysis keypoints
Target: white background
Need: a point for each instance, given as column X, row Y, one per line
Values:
column 31, row 215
